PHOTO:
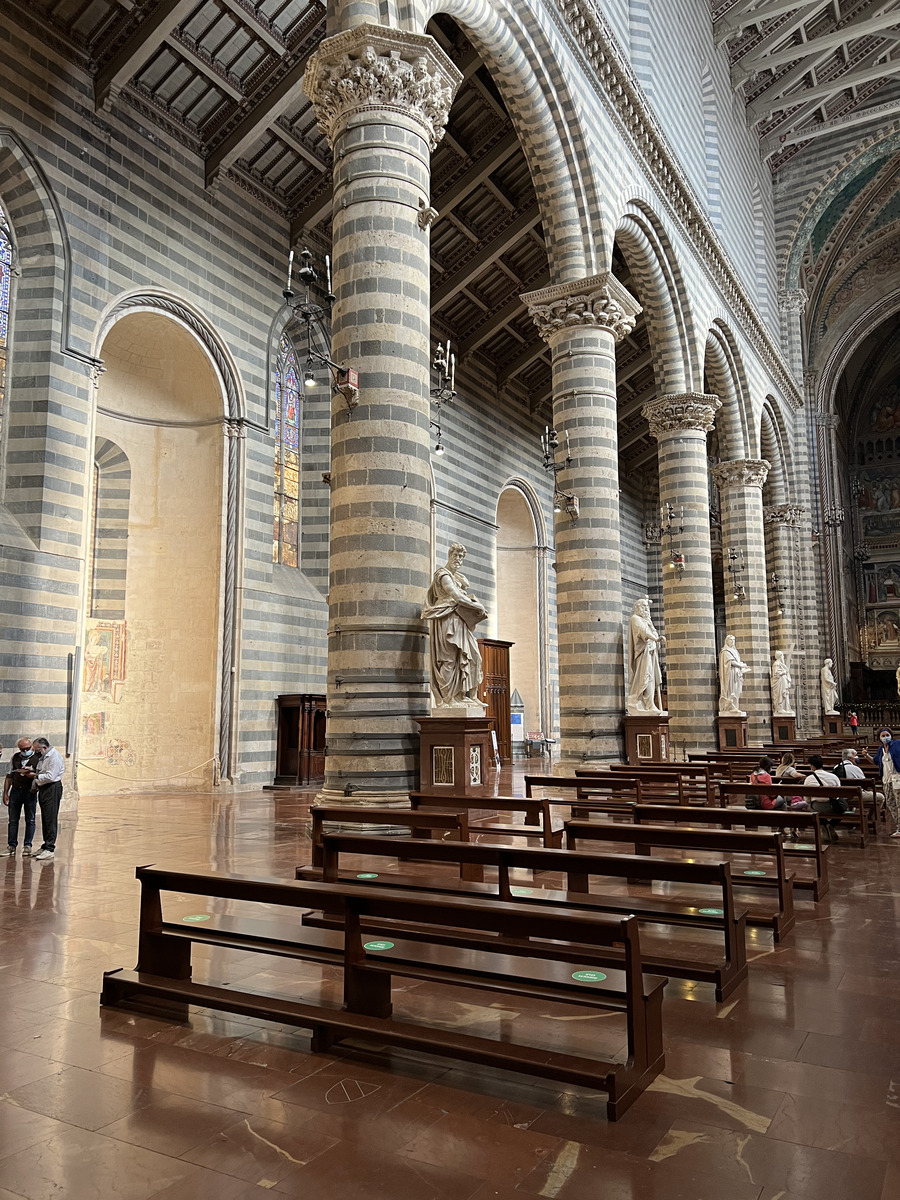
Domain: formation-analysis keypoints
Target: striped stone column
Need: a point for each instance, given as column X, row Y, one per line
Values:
column 581, row 321
column 680, row 423
column 382, row 97
column 786, row 629
column 791, row 307
column 740, row 483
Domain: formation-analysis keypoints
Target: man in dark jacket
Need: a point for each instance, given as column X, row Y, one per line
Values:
column 17, row 794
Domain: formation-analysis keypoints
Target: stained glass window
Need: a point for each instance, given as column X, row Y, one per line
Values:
column 286, row 534
column 6, row 258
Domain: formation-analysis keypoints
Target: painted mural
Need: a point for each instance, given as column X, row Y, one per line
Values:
column 102, row 688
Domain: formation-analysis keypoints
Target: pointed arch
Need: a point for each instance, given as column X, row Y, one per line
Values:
column 772, row 445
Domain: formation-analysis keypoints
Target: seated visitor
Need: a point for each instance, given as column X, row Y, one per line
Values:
column 819, row 777
column 763, row 774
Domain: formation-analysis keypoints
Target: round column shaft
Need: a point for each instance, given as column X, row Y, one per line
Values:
column 740, row 484
column 382, row 98
column 680, row 424
column 582, row 321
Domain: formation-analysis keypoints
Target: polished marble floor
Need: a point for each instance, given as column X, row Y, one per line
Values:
column 789, row 1090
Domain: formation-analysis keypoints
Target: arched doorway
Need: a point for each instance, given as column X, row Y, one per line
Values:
column 521, row 605
column 150, row 677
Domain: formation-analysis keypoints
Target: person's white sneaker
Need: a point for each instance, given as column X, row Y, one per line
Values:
column 7, row 852
column 43, row 855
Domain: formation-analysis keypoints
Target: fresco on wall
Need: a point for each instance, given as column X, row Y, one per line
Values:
column 102, row 684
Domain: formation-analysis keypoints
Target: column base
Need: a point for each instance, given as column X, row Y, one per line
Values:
column 784, row 728
column 732, row 732
column 833, row 724
column 456, row 755
column 646, row 739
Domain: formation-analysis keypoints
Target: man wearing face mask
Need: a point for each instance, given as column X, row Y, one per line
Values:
column 887, row 760
column 17, row 794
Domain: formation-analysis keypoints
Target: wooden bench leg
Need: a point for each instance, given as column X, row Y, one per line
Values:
column 367, row 992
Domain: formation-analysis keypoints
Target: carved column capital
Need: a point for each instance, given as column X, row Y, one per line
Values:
column 740, row 472
column 788, row 515
column 794, row 301
column 599, row 302
column 680, row 412
column 827, row 420
column 373, row 67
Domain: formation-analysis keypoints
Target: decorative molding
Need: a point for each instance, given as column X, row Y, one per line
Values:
column 681, row 412
column 584, row 25
column 600, row 301
column 741, row 472
column 427, row 215
column 827, row 420
column 789, row 515
column 372, row 67
column 793, row 302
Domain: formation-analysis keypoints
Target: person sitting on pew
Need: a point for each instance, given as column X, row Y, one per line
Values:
column 786, row 769
column 849, row 768
column 822, row 778
column 763, row 774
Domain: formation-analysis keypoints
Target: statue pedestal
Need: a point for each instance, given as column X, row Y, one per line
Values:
column 456, row 754
column 784, row 728
column 647, row 738
column 732, row 731
column 833, row 724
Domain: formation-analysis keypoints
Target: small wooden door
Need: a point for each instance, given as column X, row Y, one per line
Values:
column 300, row 757
column 494, row 690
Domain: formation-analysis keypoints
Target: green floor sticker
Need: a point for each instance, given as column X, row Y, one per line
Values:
column 378, row 945
column 588, row 976
column 198, row 917
column 368, row 875
column 755, row 872
column 522, row 891
column 711, row 912
column 804, row 846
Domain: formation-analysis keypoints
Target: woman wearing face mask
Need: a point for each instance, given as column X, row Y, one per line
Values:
column 887, row 759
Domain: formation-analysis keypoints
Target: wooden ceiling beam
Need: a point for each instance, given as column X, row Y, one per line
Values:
column 190, row 52
column 489, row 253
column 139, row 47
column 257, row 23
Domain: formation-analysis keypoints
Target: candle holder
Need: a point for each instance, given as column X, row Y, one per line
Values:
column 444, row 390
column 561, row 499
column 344, row 380
column 736, row 567
column 671, row 531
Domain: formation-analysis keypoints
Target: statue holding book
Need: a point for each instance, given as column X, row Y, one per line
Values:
column 453, row 613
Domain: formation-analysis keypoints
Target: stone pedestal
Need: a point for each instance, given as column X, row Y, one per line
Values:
column 833, row 724
column 732, row 732
column 456, row 755
column 646, row 739
column 784, row 729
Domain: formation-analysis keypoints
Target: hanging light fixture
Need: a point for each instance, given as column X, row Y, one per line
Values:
column 344, row 380
column 309, row 379
column 444, row 367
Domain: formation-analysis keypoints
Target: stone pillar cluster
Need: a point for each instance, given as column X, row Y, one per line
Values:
column 740, row 484
column 581, row 321
column 680, row 423
column 382, row 98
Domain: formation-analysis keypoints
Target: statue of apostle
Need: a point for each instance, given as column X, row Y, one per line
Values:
column 644, row 675
column 782, row 683
column 731, row 679
column 453, row 613
column 829, row 688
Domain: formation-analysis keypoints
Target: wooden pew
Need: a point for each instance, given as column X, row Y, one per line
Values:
column 536, row 951
column 861, row 814
column 812, row 846
column 645, row 838
column 418, row 824
column 538, row 821
column 607, row 793
column 693, row 781
column 725, row 972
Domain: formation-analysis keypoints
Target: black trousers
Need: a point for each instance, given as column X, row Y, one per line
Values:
column 49, row 797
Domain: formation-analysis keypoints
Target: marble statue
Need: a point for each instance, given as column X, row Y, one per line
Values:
column 453, row 613
column 644, row 674
column 781, row 686
column 731, row 679
column 897, row 677
column 829, row 688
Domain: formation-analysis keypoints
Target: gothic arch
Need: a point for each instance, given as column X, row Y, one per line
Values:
column 772, row 448
column 233, row 420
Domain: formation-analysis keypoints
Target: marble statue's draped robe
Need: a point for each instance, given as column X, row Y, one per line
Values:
column 644, row 674
column 455, row 656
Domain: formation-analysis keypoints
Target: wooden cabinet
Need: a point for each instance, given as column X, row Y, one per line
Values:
column 494, row 691
column 300, row 758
